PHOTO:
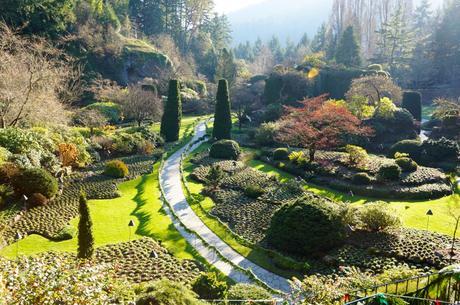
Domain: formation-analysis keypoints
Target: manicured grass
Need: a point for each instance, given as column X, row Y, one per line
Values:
column 186, row 124
column 139, row 202
column 412, row 213
column 258, row 256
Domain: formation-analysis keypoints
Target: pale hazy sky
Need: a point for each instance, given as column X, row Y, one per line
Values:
column 227, row 6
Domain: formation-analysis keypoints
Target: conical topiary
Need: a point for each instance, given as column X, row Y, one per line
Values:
column 170, row 123
column 222, row 117
column 85, row 230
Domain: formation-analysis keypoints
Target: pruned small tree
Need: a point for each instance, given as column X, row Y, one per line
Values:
column 374, row 88
column 172, row 116
column 222, row 117
column 85, row 230
column 319, row 125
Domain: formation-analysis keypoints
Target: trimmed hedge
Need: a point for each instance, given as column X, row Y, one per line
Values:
column 35, row 181
column 172, row 116
column 412, row 102
column 225, row 149
column 411, row 147
column 407, row 164
column 116, row 169
column 306, row 227
column 281, row 154
column 222, row 117
column 390, row 172
column 361, row 178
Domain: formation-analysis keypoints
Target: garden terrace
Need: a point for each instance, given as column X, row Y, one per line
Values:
column 52, row 219
column 133, row 261
column 251, row 217
column 333, row 170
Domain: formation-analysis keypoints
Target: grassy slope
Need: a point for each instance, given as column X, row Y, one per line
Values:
column 413, row 213
column 139, row 201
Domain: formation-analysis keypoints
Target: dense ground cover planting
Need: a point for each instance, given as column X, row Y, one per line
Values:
column 334, row 170
column 247, row 199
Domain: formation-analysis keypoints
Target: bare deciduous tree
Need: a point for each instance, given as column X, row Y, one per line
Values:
column 140, row 105
column 36, row 80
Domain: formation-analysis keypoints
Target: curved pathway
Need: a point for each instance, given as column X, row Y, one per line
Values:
column 228, row 260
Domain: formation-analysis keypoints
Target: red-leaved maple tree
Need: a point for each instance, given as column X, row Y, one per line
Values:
column 319, row 124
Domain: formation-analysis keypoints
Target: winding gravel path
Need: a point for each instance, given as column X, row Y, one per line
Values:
column 171, row 184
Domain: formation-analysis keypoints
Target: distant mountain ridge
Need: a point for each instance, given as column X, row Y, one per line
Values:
column 283, row 18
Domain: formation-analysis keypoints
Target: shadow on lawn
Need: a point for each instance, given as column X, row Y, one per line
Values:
column 144, row 211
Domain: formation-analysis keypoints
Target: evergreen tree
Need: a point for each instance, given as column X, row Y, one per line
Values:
column 226, row 68
column 447, row 44
column 348, row 50
column 85, row 230
column 319, row 42
column 172, row 115
column 222, row 117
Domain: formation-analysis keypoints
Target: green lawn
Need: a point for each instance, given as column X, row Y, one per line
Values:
column 412, row 213
column 139, row 202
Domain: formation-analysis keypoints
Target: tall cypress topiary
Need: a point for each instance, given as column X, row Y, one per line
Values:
column 85, row 230
column 412, row 101
column 222, row 117
column 171, row 120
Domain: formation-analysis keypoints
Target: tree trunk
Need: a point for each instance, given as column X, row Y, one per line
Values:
column 452, row 249
column 311, row 153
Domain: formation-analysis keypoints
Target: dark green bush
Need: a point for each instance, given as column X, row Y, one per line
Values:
column 225, row 149
column 66, row 234
column 411, row 147
column 209, row 287
column 407, row 164
column 35, row 180
column 223, row 116
column 172, row 115
column 390, row 172
column 281, row 154
column 440, row 150
column 254, row 191
column 306, row 227
column 361, row 178
column 248, row 292
column 116, row 169
column 412, row 102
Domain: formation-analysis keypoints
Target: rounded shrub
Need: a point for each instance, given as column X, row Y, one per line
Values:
column 361, row 179
column 411, row 147
column 306, row 227
column 407, row 164
column 281, row 154
column 254, row 191
column 166, row 292
column 442, row 149
column 378, row 217
column 34, row 181
column 390, row 172
column 248, row 292
column 209, row 287
column 116, row 169
column 225, row 149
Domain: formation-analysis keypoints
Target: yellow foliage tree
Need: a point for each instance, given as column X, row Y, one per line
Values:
column 68, row 153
